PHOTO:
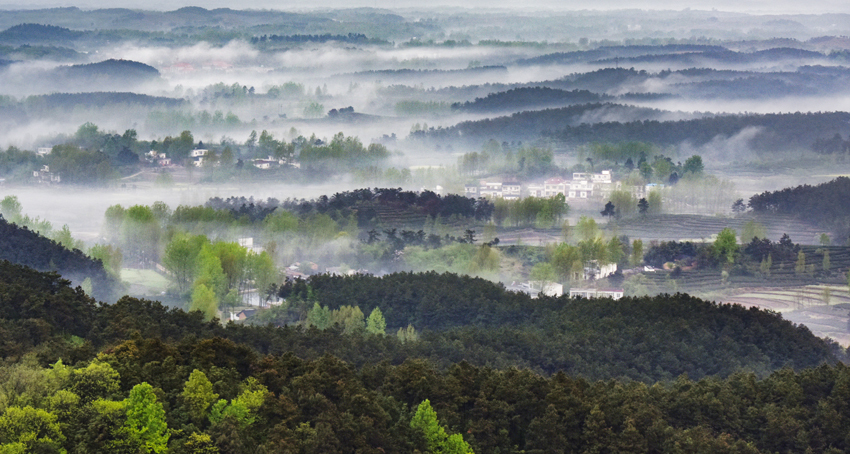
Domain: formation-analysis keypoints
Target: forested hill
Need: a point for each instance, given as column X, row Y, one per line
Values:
column 527, row 97
column 647, row 339
column 25, row 247
column 111, row 68
column 208, row 388
column 37, row 33
column 97, row 99
column 824, row 204
column 529, row 125
column 586, row 123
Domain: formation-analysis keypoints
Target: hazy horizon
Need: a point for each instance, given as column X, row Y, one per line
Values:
column 756, row 7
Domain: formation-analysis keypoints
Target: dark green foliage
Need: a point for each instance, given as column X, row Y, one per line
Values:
column 304, row 399
column 824, row 204
column 24, row 247
column 523, row 98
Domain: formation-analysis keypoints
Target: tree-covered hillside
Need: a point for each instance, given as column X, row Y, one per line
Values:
column 137, row 377
column 25, row 247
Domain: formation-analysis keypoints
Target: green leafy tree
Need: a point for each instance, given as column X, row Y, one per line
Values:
column 110, row 256
column 319, row 316
column 30, row 430
column 587, row 228
column 726, row 246
column 10, row 208
column 654, row 202
column 436, row 439
column 376, row 323
column 766, row 265
column 636, row 257
column 146, row 419
column 753, row 229
column 179, row 258
column 205, row 301
column 827, row 264
column 409, row 333
column 800, row 264
column 693, row 165
column 350, row 318
column 97, row 380
column 198, row 395
column 200, row 443
column 140, row 233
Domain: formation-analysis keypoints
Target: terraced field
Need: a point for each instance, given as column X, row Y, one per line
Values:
column 679, row 227
column 806, row 305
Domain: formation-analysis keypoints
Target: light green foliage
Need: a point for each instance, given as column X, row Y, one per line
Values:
column 824, row 239
column 637, row 253
column 263, row 272
column 639, row 285
column 10, row 208
column 766, row 265
column 587, row 229
column 409, row 334
column 485, row 259
column 615, row 251
column 531, row 211
column 86, row 286
column 243, row 408
column 63, row 403
column 827, row 264
column 376, row 323
column 425, row 421
column 543, row 272
column 454, row 258
column 110, row 256
column 146, row 419
column 140, row 233
column 210, row 272
column 200, row 443
column 280, row 221
column 455, row 444
column 726, row 245
column 26, row 383
column 800, row 264
column 566, row 261
column 233, row 260
column 319, row 316
column 594, row 250
column 95, row 381
column 314, row 110
column 624, row 203
column 33, row 429
column 113, row 218
column 662, row 167
column 204, row 300
column 180, row 258
column 826, row 295
column 655, row 202
column 198, row 394
column 752, row 229
column 350, row 318
column 436, row 439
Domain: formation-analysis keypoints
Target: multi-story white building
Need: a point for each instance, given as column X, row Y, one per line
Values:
column 511, row 190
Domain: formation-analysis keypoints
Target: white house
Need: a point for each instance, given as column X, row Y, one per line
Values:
column 614, row 294
column 554, row 186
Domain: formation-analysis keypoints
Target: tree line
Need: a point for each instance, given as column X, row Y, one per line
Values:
column 137, row 377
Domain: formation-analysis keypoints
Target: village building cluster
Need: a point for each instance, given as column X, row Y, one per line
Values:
column 583, row 185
